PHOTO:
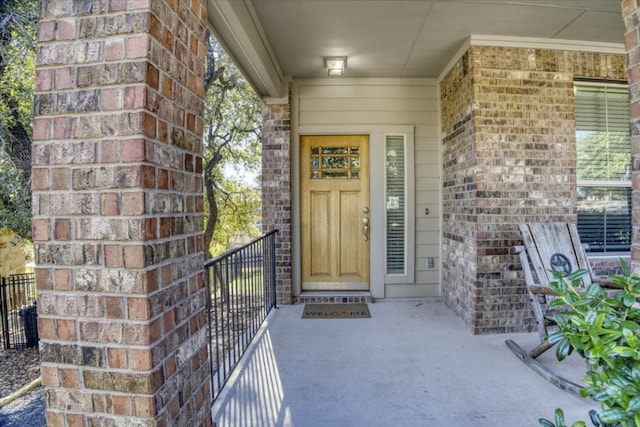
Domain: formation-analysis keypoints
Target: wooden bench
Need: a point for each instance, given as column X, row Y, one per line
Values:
column 548, row 247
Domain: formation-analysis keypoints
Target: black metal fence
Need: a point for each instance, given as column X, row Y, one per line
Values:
column 242, row 292
column 18, row 311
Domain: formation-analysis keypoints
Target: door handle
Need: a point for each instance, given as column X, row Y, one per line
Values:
column 365, row 221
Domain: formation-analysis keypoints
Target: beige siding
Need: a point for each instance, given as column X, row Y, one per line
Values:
column 325, row 103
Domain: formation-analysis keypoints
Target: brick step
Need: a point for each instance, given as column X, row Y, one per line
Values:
column 333, row 297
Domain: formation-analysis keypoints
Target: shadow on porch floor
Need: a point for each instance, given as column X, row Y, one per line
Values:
column 412, row 364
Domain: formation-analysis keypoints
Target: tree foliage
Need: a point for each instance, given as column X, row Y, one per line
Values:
column 604, row 156
column 18, row 21
column 231, row 149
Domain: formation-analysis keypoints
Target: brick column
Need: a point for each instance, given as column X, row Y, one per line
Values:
column 631, row 16
column 509, row 157
column 117, row 212
column 276, row 190
column 459, row 235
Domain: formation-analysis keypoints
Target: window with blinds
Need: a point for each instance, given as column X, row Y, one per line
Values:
column 395, row 192
column 604, row 167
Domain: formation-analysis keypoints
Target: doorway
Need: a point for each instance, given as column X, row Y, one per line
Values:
column 335, row 212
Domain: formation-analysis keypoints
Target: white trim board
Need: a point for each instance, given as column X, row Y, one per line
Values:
column 532, row 43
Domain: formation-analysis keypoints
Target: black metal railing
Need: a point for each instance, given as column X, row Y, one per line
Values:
column 242, row 292
column 18, row 311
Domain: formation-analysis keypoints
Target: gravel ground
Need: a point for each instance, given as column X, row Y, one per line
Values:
column 17, row 369
column 27, row 411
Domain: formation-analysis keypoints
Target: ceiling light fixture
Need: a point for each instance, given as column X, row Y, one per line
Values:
column 335, row 65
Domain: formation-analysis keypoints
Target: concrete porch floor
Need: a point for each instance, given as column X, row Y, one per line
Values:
column 412, row 364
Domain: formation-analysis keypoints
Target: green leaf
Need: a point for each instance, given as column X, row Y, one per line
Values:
column 609, row 338
column 632, row 326
column 634, row 404
column 545, row 423
column 630, row 337
column 629, row 300
column 557, row 303
column 624, row 351
column 555, row 337
column 591, row 316
column 561, row 286
column 611, row 416
column 563, row 349
column 600, row 396
column 559, row 417
column 634, row 374
column 599, row 320
column 597, row 346
column 576, row 277
column 593, row 290
column 619, row 279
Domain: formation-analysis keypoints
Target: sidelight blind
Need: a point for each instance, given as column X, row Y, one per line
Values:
column 604, row 167
column 396, row 204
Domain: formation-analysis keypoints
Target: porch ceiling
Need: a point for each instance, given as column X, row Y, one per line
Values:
column 271, row 39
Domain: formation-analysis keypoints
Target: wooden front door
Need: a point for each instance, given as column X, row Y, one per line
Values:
column 335, row 212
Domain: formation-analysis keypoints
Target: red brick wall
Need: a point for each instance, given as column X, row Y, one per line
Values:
column 631, row 16
column 459, row 217
column 276, row 190
column 117, row 205
column 510, row 158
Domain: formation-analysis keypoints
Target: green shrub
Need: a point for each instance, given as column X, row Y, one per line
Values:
column 560, row 422
column 603, row 327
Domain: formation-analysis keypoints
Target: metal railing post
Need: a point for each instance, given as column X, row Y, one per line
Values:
column 4, row 311
column 274, row 281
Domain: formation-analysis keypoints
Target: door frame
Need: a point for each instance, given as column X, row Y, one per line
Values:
column 336, row 187
column 376, row 197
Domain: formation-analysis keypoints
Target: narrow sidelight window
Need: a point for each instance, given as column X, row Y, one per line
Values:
column 396, row 212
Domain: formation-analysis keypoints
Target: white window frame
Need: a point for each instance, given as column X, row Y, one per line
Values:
column 602, row 183
column 409, row 215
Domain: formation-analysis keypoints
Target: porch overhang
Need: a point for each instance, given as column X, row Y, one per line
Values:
column 237, row 27
column 273, row 41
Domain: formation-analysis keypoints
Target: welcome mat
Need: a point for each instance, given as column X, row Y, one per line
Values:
column 336, row 311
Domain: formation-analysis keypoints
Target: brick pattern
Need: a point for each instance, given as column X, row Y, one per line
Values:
column 605, row 267
column 631, row 16
column 459, row 263
column 509, row 157
column 276, row 191
column 117, row 212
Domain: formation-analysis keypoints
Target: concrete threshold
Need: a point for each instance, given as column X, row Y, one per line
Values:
column 333, row 297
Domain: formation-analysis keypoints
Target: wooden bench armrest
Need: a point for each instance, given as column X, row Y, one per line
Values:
column 607, row 283
column 545, row 290
column 541, row 290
